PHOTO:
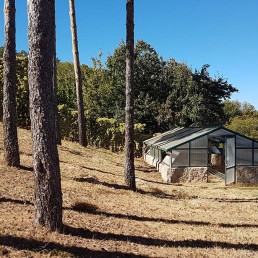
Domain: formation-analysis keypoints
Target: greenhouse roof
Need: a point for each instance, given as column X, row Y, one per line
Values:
column 181, row 135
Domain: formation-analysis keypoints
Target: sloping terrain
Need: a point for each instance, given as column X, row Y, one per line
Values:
column 104, row 219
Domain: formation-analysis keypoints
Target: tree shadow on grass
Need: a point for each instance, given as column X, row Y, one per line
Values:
column 145, row 169
column 23, row 202
column 236, row 200
column 26, row 168
column 92, row 209
column 156, row 193
column 92, row 169
column 155, row 182
column 33, row 245
column 85, row 233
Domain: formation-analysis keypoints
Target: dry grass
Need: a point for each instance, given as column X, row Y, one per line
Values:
column 104, row 219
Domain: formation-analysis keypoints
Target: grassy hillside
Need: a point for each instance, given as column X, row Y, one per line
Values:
column 103, row 219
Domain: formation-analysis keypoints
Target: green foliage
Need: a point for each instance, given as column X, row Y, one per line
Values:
column 232, row 109
column 97, row 90
column 111, row 134
column 206, row 97
column 22, row 96
column 66, row 84
column 148, row 67
column 105, row 133
column 242, row 118
column 22, row 99
column 246, row 125
column 1, row 52
column 68, row 122
column 167, row 93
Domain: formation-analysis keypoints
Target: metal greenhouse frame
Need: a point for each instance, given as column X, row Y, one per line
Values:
column 192, row 147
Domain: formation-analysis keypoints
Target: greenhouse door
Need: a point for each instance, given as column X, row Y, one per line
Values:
column 230, row 173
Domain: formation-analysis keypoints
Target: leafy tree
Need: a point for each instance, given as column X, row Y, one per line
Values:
column 232, row 109
column 11, row 147
column 129, row 173
column 48, row 194
column 178, row 81
column 22, row 91
column 1, row 52
column 22, row 53
column 246, row 125
column 66, row 84
column 206, row 97
column 248, row 109
column 148, row 80
column 78, row 78
column 98, row 91
column 22, row 97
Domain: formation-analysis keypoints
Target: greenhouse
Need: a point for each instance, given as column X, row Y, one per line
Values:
column 195, row 153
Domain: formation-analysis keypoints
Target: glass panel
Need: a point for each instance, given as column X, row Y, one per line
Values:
column 230, row 152
column 255, row 145
column 222, row 133
column 159, row 155
column 180, row 158
column 230, row 175
column 200, row 142
column 243, row 142
column 184, row 146
column 256, row 157
column 198, row 158
column 156, row 153
column 244, row 156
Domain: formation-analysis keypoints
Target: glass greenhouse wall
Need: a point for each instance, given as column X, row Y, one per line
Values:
column 213, row 148
column 190, row 146
column 192, row 154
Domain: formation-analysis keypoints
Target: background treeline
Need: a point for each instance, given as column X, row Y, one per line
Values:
column 167, row 94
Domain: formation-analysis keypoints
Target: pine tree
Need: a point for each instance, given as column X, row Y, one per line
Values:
column 11, row 147
column 129, row 173
column 78, row 78
column 48, row 194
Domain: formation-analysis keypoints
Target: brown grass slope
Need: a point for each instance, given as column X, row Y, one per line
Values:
column 103, row 219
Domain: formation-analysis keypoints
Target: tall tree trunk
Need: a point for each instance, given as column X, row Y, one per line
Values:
column 48, row 194
column 11, row 147
column 78, row 78
column 129, row 173
column 57, row 124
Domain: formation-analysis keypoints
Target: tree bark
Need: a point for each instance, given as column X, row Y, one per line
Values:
column 78, row 79
column 11, row 147
column 57, row 124
column 48, row 194
column 129, row 173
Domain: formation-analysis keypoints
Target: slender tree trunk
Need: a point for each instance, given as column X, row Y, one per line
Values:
column 78, row 78
column 48, row 194
column 11, row 147
column 57, row 124
column 129, row 173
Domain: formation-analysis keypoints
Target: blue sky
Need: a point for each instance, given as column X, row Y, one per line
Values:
column 222, row 33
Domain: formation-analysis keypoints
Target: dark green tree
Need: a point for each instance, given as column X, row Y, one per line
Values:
column 205, row 99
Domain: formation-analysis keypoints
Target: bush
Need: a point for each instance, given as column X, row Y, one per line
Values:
column 102, row 133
